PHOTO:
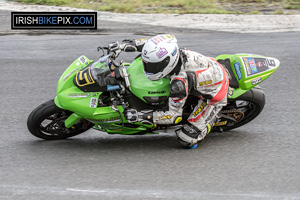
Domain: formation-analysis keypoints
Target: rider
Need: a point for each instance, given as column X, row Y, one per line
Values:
column 191, row 74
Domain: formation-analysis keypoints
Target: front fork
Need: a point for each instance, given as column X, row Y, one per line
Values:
column 72, row 119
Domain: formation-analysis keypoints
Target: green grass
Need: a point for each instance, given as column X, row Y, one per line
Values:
column 177, row 6
column 46, row 2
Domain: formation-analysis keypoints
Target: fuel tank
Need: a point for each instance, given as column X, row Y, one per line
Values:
column 151, row 92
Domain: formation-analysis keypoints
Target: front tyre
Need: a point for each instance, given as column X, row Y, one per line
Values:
column 47, row 122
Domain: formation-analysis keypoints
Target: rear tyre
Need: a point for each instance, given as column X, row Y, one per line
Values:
column 247, row 106
column 47, row 122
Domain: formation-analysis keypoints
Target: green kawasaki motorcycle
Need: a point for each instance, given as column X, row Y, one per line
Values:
column 94, row 94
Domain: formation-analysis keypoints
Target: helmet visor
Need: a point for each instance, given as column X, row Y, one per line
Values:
column 154, row 68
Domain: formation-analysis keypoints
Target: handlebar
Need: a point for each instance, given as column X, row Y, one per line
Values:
column 103, row 48
column 122, row 69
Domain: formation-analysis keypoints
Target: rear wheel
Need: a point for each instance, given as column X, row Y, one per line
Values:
column 47, row 122
column 242, row 110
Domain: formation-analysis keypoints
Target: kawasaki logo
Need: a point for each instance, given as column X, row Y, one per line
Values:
column 156, row 92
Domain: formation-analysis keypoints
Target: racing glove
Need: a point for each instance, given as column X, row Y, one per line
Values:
column 115, row 48
column 144, row 116
column 125, row 45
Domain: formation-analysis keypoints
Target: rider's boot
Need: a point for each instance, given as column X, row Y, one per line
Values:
column 189, row 136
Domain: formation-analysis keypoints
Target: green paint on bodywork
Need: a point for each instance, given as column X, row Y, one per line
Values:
column 112, row 128
column 72, row 119
column 70, row 97
column 246, row 81
column 142, row 87
column 82, row 104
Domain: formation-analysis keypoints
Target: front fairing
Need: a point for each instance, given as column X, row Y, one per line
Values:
column 69, row 96
column 96, row 77
column 73, row 98
column 88, row 105
column 66, row 78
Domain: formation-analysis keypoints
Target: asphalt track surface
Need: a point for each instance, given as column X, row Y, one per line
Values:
column 257, row 161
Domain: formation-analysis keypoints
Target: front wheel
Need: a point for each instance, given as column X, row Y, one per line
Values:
column 47, row 122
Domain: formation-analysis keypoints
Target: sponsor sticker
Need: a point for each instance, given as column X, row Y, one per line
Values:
column 247, row 66
column 252, row 65
column 174, row 52
column 113, row 87
column 82, row 60
column 93, row 102
column 220, row 123
column 157, row 39
column 161, row 53
column 258, row 65
column 205, row 83
column 200, row 109
column 111, row 119
column 153, row 41
column 230, row 92
column 156, row 92
column 77, row 95
column 167, row 36
column 271, row 63
column 84, row 77
column 237, row 67
column 257, row 80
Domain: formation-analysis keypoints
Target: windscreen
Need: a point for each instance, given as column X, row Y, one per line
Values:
column 96, row 77
column 102, row 73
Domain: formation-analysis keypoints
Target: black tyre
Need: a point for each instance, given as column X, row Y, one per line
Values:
column 244, row 109
column 47, row 122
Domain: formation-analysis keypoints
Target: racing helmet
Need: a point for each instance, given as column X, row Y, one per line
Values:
column 160, row 56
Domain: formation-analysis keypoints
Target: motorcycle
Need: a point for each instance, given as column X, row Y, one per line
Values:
column 94, row 94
